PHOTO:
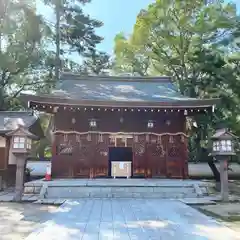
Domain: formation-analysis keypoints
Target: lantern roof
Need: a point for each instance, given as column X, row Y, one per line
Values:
column 10, row 120
column 21, row 131
column 119, row 91
column 223, row 133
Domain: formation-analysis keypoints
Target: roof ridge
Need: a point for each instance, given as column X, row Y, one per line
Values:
column 65, row 76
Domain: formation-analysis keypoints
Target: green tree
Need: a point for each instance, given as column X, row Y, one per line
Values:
column 74, row 30
column 95, row 63
column 172, row 31
column 219, row 79
column 21, row 51
column 183, row 39
column 129, row 57
column 42, row 148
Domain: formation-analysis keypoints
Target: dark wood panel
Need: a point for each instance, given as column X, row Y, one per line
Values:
column 2, row 158
column 175, row 161
column 156, row 149
column 120, row 121
column 139, row 156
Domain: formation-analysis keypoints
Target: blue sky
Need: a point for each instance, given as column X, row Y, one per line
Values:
column 117, row 15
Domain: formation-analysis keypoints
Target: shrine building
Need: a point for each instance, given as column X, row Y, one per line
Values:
column 118, row 126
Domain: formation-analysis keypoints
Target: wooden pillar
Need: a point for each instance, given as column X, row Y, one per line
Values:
column 54, row 154
column 185, row 158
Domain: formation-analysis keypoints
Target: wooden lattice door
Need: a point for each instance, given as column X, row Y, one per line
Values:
column 156, row 152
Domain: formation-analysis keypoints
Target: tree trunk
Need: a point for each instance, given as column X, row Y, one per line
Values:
column 214, row 169
column 58, row 63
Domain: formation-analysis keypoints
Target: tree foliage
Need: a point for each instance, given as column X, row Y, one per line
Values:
column 76, row 31
column 95, row 63
column 129, row 57
column 21, row 51
column 197, row 45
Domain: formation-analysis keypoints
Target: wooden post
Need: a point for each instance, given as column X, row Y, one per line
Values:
column 224, row 179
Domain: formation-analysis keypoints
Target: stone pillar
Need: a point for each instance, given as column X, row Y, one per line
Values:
column 20, row 172
column 224, row 179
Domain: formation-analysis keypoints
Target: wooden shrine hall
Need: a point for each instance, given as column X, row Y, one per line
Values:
column 118, row 126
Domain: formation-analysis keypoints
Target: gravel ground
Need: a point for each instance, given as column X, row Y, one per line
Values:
column 218, row 212
column 18, row 220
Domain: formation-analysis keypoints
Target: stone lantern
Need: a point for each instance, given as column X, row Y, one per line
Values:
column 222, row 149
column 21, row 143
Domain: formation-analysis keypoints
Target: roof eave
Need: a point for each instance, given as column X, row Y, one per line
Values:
column 188, row 103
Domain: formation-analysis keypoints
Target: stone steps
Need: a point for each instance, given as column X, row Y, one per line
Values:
column 115, row 189
column 76, row 192
column 117, row 192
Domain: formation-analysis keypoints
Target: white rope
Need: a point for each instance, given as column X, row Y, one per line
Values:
column 120, row 133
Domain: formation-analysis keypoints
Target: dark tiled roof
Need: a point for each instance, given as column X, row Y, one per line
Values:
column 119, row 91
column 112, row 88
column 9, row 120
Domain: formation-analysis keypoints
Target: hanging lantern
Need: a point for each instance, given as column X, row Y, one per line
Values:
column 73, row 120
column 168, row 122
column 150, row 124
column 93, row 123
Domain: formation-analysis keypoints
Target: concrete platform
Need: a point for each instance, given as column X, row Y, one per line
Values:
column 117, row 188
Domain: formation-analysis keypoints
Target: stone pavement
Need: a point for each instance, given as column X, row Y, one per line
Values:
column 91, row 219
column 18, row 220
